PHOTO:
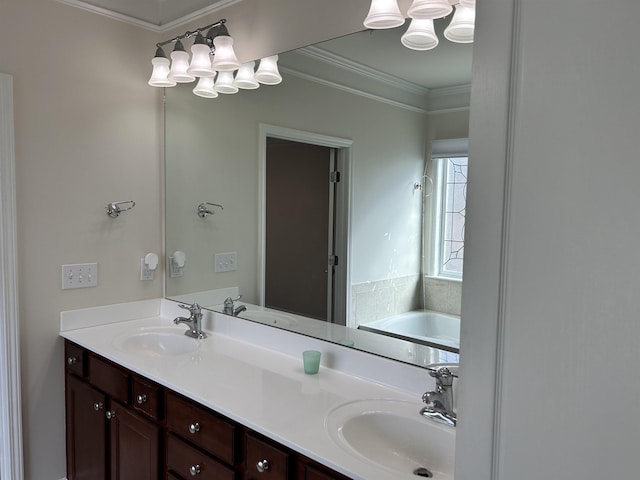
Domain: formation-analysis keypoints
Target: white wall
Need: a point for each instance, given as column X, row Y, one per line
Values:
column 567, row 369
column 87, row 131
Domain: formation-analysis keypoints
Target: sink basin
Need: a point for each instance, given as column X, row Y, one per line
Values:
column 158, row 341
column 392, row 435
column 270, row 317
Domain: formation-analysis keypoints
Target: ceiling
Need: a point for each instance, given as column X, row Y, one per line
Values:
column 449, row 64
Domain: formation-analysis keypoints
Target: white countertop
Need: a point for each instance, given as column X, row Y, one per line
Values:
column 261, row 388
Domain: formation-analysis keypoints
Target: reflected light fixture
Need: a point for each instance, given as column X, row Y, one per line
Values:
column 205, row 88
column 210, row 53
column 224, row 83
column 267, row 72
column 245, row 77
column 421, row 35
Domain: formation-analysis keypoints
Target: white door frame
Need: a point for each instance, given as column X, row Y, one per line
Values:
column 343, row 218
column 11, row 461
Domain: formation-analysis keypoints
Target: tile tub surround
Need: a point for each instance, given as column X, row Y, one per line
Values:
column 384, row 298
column 442, row 295
column 253, row 374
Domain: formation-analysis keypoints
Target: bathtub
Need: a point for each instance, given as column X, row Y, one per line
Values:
column 426, row 327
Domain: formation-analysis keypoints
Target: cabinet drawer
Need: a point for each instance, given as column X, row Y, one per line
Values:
column 188, row 461
column 109, row 378
column 265, row 461
column 74, row 359
column 146, row 397
column 202, row 427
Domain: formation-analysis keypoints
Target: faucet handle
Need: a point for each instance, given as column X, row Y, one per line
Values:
column 443, row 376
column 228, row 302
column 193, row 309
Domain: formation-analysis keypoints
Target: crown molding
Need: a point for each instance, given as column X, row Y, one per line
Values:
column 220, row 4
column 325, row 56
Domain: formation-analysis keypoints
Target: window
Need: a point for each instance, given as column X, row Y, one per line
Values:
column 452, row 216
column 448, row 208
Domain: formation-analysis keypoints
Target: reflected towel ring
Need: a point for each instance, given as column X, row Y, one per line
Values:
column 114, row 209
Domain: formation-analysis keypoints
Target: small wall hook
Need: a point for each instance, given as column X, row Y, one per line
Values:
column 203, row 211
column 114, row 209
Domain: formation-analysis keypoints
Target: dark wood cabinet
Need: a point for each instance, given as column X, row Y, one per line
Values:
column 106, row 439
column 122, row 426
column 86, row 431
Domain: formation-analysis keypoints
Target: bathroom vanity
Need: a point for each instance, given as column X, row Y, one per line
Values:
column 145, row 401
column 123, row 425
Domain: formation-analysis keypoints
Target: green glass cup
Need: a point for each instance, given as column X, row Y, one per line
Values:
column 311, row 361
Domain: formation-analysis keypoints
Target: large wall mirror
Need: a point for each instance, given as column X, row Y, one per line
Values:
column 316, row 252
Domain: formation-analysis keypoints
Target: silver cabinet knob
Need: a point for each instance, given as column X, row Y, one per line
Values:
column 110, row 414
column 98, row 406
column 72, row 360
column 194, row 427
column 142, row 398
column 263, row 465
column 194, row 470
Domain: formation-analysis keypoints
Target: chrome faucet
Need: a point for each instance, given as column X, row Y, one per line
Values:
column 194, row 321
column 229, row 306
column 440, row 402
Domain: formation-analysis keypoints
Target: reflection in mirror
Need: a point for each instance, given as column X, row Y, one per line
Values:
column 374, row 110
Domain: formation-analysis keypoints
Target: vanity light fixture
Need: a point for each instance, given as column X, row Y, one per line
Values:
column 211, row 54
column 267, row 72
column 421, row 35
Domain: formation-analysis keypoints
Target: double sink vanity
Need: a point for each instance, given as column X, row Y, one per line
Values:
column 143, row 400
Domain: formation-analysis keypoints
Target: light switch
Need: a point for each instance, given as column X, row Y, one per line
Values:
column 79, row 275
column 226, row 262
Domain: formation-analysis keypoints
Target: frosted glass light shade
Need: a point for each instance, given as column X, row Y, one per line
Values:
column 201, row 61
column 205, row 88
column 224, row 83
column 384, row 14
column 245, row 78
column 180, row 65
column 160, row 73
column 267, row 72
column 468, row 3
column 225, row 59
column 420, row 35
column 429, row 9
column 461, row 28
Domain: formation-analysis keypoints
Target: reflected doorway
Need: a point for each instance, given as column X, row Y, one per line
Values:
column 304, row 223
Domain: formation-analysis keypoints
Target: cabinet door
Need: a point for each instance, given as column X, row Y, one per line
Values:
column 86, row 431
column 135, row 445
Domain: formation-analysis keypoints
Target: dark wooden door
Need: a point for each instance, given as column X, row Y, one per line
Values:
column 86, row 431
column 135, row 446
column 299, row 226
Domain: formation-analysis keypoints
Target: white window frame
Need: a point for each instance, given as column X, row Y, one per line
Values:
column 441, row 150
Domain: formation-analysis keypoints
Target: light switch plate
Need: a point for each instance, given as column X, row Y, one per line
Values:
column 226, row 262
column 79, row 275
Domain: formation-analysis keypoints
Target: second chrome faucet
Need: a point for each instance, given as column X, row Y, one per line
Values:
column 230, row 309
column 194, row 321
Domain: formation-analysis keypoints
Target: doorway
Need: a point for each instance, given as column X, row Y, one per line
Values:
column 304, row 223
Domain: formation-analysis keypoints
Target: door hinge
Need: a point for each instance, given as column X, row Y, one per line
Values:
column 333, row 260
column 334, row 177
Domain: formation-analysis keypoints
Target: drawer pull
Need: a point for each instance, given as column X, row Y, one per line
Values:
column 98, row 406
column 263, row 465
column 194, row 470
column 194, row 427
column 111, row 414
column 72, row 360
column 142, row 398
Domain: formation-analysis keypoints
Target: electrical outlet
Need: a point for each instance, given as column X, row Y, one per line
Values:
column 226, row 262
column 145, row 273
column 79, row 275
